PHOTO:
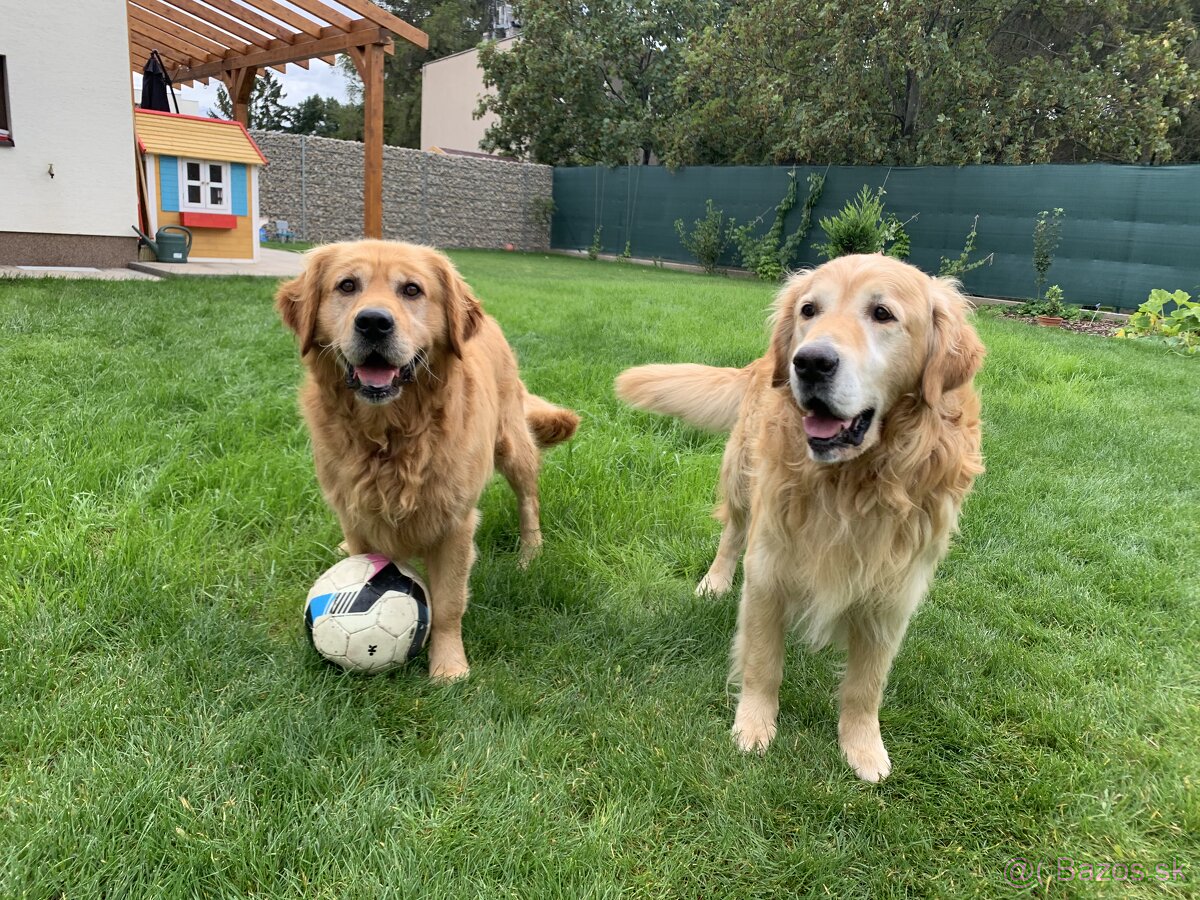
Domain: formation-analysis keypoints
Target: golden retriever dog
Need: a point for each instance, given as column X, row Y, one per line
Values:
column 854, row 442
column 412, row 397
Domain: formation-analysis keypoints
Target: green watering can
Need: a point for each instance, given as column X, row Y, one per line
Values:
column 168, row 248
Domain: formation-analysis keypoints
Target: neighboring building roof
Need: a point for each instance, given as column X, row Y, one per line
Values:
column 171, row 134
column 502, row 42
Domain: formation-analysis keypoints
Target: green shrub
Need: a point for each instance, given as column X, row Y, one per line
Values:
column 1047, row 234
column 960, row 266
column 862, row 227
column 769, row 255
column 597, row 244
column 1179, row 329
column 708, row 238
column 1052, row 304
column 542, row 210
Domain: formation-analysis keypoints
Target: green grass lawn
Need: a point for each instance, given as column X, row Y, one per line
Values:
column 293, row 246
column 165, row 731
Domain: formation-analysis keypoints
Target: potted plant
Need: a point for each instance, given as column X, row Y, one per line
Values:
column 1053, row 310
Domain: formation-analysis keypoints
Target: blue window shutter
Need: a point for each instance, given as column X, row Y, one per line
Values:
column 237, row 189
column 168, row 183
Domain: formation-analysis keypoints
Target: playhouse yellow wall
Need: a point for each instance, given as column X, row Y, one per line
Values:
column 218, row 243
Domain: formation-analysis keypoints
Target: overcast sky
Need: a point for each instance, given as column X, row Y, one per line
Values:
column 320, row 78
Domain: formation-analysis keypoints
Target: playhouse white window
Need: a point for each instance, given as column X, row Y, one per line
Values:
column 203, row 185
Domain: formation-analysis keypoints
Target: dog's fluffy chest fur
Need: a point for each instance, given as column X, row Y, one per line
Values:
column 401, row 480
column 857, row 535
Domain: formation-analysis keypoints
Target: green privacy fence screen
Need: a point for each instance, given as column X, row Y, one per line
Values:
column 1126, row 230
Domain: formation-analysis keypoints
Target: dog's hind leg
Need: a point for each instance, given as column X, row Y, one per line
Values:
column 518, row 459
column 734, row 512
column 719, row 578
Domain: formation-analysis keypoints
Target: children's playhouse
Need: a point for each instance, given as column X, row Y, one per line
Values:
column 202, row 174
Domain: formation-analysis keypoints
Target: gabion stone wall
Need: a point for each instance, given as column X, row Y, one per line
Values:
column 315, row 185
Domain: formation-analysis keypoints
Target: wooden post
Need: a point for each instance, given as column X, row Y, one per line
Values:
column 368, row 60
column 240, row 84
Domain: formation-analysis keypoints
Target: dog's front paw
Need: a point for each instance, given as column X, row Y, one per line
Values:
column 753, row 728
column 864, row 750
column 714, row 585
column 531, row 548
column 448, row 672
column 448, row 660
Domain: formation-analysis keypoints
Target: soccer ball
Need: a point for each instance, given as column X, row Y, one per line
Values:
column 368, row 614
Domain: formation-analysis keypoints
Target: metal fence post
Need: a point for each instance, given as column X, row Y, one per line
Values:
column 303, row 191
column 425, row 196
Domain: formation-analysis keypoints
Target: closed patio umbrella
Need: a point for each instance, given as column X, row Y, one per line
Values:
column 156, row 84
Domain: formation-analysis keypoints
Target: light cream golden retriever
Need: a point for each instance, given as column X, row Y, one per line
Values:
column 412, row 397
column 854, row 442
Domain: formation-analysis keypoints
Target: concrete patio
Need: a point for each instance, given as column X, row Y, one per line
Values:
column 74, row 272
column 271, row 264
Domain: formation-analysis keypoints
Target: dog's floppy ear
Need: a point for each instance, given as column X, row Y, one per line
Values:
column 298, row 300
column 955, row 351
column 464, row 315
column 783, row 336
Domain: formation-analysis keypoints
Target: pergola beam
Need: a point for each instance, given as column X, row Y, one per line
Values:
column 195, row 25
column 152, row 34
column 143, row 48
column 326, row 13
column 219, row 20
column 150, row 24
column 369, row 62
column 385, row 19
column 240, row 84
column 288, row 16
column 311, row 49
column 232, row 40
column 253, row 19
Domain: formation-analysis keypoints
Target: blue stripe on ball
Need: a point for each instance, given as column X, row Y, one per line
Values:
column 317, row 606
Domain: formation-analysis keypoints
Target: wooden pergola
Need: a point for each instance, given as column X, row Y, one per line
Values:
column 232, row 40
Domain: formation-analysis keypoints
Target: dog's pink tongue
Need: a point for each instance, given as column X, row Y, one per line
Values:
column 375, row 377
column 823, row 426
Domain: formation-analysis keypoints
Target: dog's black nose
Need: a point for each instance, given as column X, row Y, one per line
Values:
column 374, row 323
column 815, row 364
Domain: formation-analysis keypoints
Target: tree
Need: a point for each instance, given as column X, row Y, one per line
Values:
column 267, row 110
column 452, row 25
column 589, row 82
column 316, row 115
column 931, row 82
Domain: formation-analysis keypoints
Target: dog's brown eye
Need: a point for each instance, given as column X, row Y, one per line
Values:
column 882, row 314
column 411, row 289
column 808, row 310
column 348, row 285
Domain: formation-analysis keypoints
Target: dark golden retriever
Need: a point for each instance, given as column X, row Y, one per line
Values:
column 412, row 396
column 854, row 442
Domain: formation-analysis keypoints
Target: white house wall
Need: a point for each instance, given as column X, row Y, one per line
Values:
column 70, row 108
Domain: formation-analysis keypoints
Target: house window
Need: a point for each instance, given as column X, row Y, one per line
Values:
column 203, row 185
column 5, row 126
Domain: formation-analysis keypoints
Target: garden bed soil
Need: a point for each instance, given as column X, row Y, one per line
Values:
column 1101, row 327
